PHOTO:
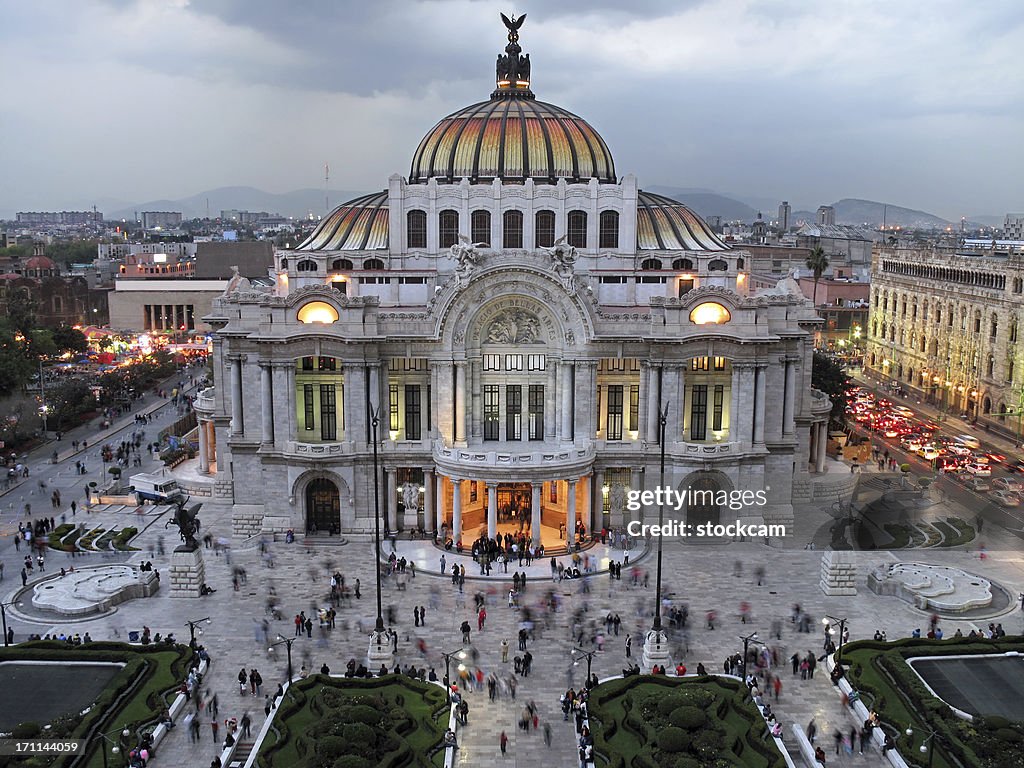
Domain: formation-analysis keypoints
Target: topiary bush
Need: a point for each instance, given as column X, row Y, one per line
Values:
column 674, row 739
column 688, row 718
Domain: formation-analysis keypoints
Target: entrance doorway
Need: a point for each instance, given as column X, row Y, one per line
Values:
column 704, row 508
column 323, row 507
column 515, row 502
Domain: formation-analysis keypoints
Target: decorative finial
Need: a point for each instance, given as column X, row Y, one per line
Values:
column 513, row 70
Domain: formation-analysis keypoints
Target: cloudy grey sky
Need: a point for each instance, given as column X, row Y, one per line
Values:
column 911, row 102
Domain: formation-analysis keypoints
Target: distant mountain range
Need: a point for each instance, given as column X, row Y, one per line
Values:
column 706, row 202
column 297, row 204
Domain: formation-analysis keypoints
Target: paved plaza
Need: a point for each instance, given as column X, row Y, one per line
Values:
column 705, row 577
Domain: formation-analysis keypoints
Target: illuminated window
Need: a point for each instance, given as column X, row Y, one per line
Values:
column 709, row 312
column 318, row 312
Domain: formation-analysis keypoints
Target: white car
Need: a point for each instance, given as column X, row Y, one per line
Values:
column 1010, row 484
column 1006, row 498
column 979, row 470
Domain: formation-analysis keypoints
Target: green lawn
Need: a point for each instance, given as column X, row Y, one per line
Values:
column 383, row 722
column 902, row 701
column 133, row 698
column 646, row 721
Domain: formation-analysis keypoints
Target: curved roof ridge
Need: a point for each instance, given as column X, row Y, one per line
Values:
column 353, row 226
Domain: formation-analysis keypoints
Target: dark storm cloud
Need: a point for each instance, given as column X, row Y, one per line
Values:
column 918, row 104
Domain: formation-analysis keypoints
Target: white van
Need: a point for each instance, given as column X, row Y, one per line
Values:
column 158, row 488
column 968, row 441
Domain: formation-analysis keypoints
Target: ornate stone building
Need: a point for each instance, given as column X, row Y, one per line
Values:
column 517, row 317
column 944, row 325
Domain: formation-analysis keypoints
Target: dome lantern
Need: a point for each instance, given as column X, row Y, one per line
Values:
column 512, row 72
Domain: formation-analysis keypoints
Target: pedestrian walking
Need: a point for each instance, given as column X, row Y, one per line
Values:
column 504, row 651
column 214, row 727
column 503, row 741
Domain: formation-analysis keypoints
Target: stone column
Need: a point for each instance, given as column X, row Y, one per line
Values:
column 570, row 513
column 596, row 500
column 492, row 510
column 653, row 403
column 595, row 421
column 475, row 396
column 644, row 394
column 584, row 421
column 602, row 412
column 535, row 514
column 789, row 398
column 373, row 391
column 204, row 448
column 283, row 394
column 566, row 400
column 391, row 505
column 819, row 460
column 429, row 497
column 734, row 405
column 634, row 485
column 456, row 510
column 760, row 377
column 439, row 502
column 550, row 400
column 237, row 423
column 267, row 402
column 460, row 401
column 670, row 398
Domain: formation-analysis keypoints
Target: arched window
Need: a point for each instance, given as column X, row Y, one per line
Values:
column 718, row 265
column 609, row 230
column 993, row 327
column 447, row 228
column 416, row 229
column 512, row 229
column 682, row 264
column 284, row 263
column 576, row 229
column 373, row 264
column 650, row 264
column 341, row 265
column 544, row 229
column 739, row 263
column 306, row 265
column 480, row 227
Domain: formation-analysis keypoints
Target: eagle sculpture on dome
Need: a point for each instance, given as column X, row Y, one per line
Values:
column 513, row 24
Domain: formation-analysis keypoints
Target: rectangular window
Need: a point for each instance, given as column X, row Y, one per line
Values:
column 328, row 413
column 491, row 412
column 513, row 412
column 393, row 406
column 685, row 286
column 492, row 362
column 412, row 412
column 327, row 364
column 614, row 431
column 536, row 412
column 553, row 491
column 307, row 403
column 634, row 407
column 307, row 363
column 513, row 362
column 430, row 413
column 612, row 279
column 698, row 364
column 699, row 412
column 716, row 412
column 473, row 493
column 719, row 363
column 341, row 413
column 535, row 362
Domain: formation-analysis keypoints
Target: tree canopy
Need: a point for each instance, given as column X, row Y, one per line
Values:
column 829, row 376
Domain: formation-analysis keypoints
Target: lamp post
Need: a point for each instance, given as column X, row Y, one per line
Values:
column 115, row 746
column 590, row 659
column 829, row 621
column 375, row 423
column 927, row 746
column 287, row 642
column 3, row 617
column 663, row 422
column 42, row 396
column 460, row 654
column 752, row 637
column 192, row 626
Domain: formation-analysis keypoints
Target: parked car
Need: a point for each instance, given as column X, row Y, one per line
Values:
column 1006, row 498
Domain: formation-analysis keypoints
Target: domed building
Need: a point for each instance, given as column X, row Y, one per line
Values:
column 515, row 334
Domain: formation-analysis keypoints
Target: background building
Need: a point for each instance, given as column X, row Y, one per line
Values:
column 162, row 219
column 944, row 325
